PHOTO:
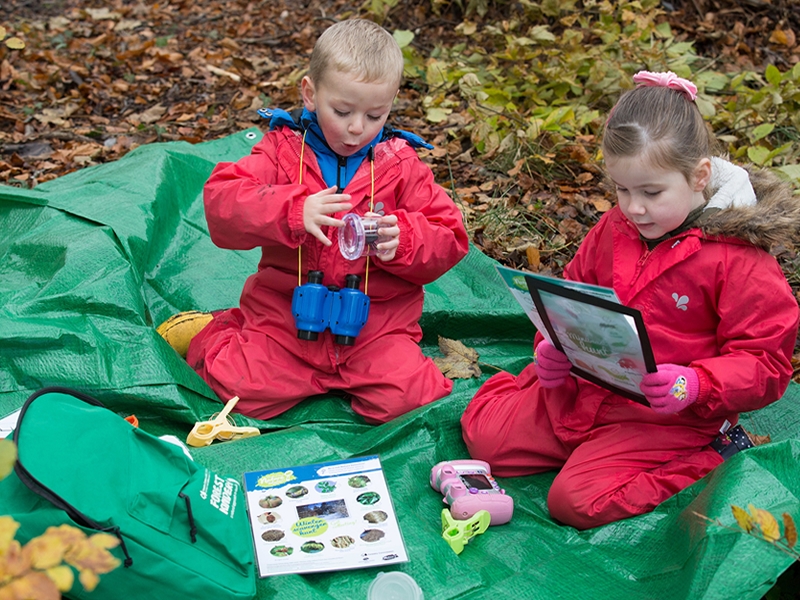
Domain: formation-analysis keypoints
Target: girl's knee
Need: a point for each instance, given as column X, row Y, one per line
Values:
column 569, row 504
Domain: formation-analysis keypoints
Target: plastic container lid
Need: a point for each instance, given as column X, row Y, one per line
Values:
column 394, row 586
column 352, row 237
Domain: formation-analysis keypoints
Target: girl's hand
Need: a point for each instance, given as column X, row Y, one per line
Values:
column 671, row 388
column 317, row 209
column 552, row 366
column 388, row 236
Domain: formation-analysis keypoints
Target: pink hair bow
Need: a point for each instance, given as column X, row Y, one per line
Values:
column 667, row 80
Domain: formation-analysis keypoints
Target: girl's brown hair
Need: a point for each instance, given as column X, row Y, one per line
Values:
column 661, row 124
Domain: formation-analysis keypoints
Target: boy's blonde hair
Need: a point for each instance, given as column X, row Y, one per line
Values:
column 660, row 124
column 357, row 47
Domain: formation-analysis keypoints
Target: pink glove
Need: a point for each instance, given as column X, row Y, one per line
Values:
column 670, row 389
column 552, row 366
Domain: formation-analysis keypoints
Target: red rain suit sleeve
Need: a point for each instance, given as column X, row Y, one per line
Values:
column 432, row 234
column 253, row 202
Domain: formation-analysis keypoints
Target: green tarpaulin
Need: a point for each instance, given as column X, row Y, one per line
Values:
column 90, row 263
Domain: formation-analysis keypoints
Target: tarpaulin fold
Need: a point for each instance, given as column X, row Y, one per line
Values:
column 92, row 262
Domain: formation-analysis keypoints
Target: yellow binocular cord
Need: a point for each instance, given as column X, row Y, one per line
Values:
column 300, row 247
column 371, row 207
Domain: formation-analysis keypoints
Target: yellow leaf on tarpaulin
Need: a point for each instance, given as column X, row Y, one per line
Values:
column 789, row 530
column 758, row 440
column 766, row 522
column 459, row 361
column 742, row 518
column 8, row 456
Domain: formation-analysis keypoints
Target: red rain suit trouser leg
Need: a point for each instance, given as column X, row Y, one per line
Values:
column 623, row 461
column 387, row 377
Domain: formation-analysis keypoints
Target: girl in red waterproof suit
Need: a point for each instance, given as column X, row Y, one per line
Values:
column 288, row 197
column 719, row 312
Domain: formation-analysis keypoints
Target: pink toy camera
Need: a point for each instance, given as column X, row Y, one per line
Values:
column 468, row 486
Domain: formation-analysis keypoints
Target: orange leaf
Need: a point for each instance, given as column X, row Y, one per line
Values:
column 779, row 37
column 758, row 440
column 600, row 204
column 789, row 530
column 534, row 259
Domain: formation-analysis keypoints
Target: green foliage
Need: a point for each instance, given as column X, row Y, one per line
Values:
column 545, row 76
column 760, row 113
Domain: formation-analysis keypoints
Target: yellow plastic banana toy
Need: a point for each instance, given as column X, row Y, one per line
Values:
column 219, row 428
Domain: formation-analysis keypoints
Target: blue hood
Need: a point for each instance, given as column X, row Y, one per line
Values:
column 336, row 170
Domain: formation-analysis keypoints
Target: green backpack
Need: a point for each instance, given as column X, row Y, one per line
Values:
column 183, row 530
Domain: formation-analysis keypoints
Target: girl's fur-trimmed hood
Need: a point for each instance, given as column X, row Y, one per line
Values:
column 773, row 220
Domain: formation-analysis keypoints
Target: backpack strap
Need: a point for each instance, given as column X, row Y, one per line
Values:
column 33, row 484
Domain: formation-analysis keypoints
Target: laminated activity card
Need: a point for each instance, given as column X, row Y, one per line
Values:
column 605, row 341
column 323, row 517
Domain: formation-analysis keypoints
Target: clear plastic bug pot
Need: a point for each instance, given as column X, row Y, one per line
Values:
column 359, row 236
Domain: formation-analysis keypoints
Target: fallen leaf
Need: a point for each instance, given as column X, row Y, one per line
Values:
column 758, row 440
column 8, row 456
column 534, row 258
column 789, row 530
column 459, row 361
column 767, row 523
column 600, row 204
column 15, row 43
column 742, row 517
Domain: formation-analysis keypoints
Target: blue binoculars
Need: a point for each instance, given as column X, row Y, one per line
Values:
column 317, row 307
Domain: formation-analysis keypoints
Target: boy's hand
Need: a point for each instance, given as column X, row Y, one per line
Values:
column 671, row 388
column 552, row 365
column 388, row 235
column 317, row 208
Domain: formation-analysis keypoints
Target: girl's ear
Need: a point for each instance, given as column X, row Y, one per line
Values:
column 309, row 93
column 702, row 174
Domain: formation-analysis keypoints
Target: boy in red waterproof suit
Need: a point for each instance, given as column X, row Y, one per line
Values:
column 288, row 197
column 719, row 312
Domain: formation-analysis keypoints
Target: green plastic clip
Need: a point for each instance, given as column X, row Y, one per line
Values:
column 459, row 533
